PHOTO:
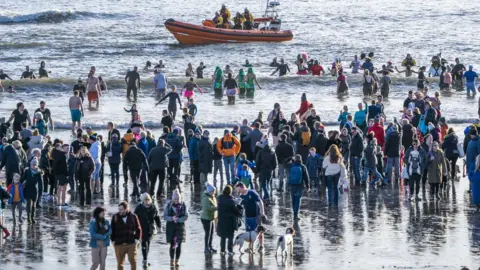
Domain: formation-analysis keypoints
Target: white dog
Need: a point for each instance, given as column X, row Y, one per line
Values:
column 250, row 237
column 285, row 243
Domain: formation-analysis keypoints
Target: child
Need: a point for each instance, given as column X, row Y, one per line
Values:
column 31, row 179
column 217, row 163
column 3, row 196
column 244, row 176
column 314, row 164
column 16, row 198
column 242, row 159
column 192, row 108
column 132, row 110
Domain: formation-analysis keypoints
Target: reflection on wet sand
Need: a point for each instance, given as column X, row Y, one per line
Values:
column 370, row 229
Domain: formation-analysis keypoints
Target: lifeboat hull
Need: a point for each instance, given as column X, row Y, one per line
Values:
column 191, row 34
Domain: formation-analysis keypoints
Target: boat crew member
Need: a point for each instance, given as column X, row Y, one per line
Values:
column 225, row 13
column 238, row 21
column 248, row 24
column 218, row 20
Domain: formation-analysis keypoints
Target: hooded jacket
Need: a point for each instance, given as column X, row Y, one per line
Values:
column 116, row 149
column 228, row 146
column 176, row 144
column 393, row 144
column 379, row 133
column 266, row 159
column 135, row 159
column 284, row 152
column 205, row 155
column 84, row 167
column 59, row 165
column 157, row 159
column 357, row 146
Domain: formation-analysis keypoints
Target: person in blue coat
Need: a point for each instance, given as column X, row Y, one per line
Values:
column 100, row 231
column 193, row 155
column 143, row 145
column 32, row 177
column 473, row 150
column 114, row 152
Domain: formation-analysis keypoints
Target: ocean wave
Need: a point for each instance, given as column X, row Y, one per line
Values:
column 52, row 16
column 27, row 45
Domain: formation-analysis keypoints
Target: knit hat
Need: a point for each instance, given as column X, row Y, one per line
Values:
column 210, row 188
column 435, row 144
column 473, row 131
column 226, row 131
column 34, row 162
column 93, row 138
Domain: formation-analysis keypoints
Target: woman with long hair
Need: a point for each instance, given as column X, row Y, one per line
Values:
column 175, row 214
column 100, row 231
column 149, row 219
column 334, row 170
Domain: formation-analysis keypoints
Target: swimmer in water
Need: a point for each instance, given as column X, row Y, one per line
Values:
column 227, row 70
column 80, row 88
column 342, row 84
column 189, row 72
column 218, row 83
column 159, row 65
column 42, row 72
column 27, row 74
column 422, row 79
column 251, row 80
column 200, row 69
column 282, row 67
column 355, row 64
column 242, row 85
column 173, row 97
column 274, row 62
column 93, row 89
column 132, row 110
column 408, row 71
column 11, row 90
column 4, row 76
column 247, row 64
column 148, row 65
column 231, row 88
column 189, row 87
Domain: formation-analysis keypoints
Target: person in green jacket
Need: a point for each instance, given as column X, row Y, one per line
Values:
column 209, row 216
column 242, row 85
column 251, row 80
column 218, row 82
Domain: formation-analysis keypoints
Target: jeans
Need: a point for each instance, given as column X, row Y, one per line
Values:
column 53, row 185
column 208, row 227
column 374, row 170
column 145, row 249
column 143, row 181
column 414, row 183
column 283, row 172
column 125, row 172
column 470, row 87
column 229, row 163
column 393, row 163
column 251, row 223
column 230, row 243
column 153, row 174
column 31, row 207
column 332, row 186
column 265, row 178
column 115, row 170
column 15, row 206
column 453, row 167
column 355, row 166
column 172, row 170
column 135, row 175
column 195, row 164
column 296, row 192
column 96, row 173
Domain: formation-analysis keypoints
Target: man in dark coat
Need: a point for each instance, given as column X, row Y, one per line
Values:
column 266, row 163
column 285, row 153
column 12, row 161
column 174, row 157
column 356, row 153
column 408, row 133
column 157, row 162
column 205, row 156
column 392, row 151
column 135, row 161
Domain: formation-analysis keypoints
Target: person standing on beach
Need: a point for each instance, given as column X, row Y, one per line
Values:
column 93, row 89
column 131, row 80
column 47, row 116
column 76, row 110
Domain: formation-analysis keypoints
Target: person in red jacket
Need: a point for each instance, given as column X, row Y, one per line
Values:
column 304, row 105
column 378, row 131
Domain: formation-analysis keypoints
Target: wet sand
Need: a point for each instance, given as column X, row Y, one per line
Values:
column 371, row 229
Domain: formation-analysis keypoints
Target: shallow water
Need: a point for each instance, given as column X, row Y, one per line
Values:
column 371, row 229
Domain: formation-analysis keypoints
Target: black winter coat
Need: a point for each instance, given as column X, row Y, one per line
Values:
column 228, row 215
column 176, row 144
column 59, row 165
column 266, row 160
column 450, row 146
column 116, row 148
column 11, row 158
column 393, row 144
column 357, row 146
column 321, row 143
column 284, row 152
column 84, row 167
column 148, row 218
column 135, row 159
column 30, row 182
column 408, row 135
column 205, row 155
column 157, row 159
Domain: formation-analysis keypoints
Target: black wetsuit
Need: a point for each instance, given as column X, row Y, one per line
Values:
column 3, row 76
column 283, row 68
column 421, row 80
column 457, row 72
column 172, row 102
column 200, row 72
column 131, row 80
column 28, row 75
column 42, row 72
column 19, row 119
column 81, row 90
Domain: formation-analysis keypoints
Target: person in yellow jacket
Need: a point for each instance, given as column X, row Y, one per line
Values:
column 126, row 141
column 218, row 20
column 248, row 24
column 225, row 13
column 238, row 21
column 229, row 147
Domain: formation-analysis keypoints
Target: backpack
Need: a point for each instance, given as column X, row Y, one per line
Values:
column 414, row 163
column 296, row 175
column 306, row 137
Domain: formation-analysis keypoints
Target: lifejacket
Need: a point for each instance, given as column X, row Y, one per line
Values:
column 248, row 16
column 238, row 20
column 409, row 62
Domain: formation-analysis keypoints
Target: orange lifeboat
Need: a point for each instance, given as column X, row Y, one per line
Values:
column 191, row 34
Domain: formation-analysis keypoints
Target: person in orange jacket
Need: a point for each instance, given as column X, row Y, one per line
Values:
column 229, row 147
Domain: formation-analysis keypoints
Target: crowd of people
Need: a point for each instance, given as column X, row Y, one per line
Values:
column 299, row 152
